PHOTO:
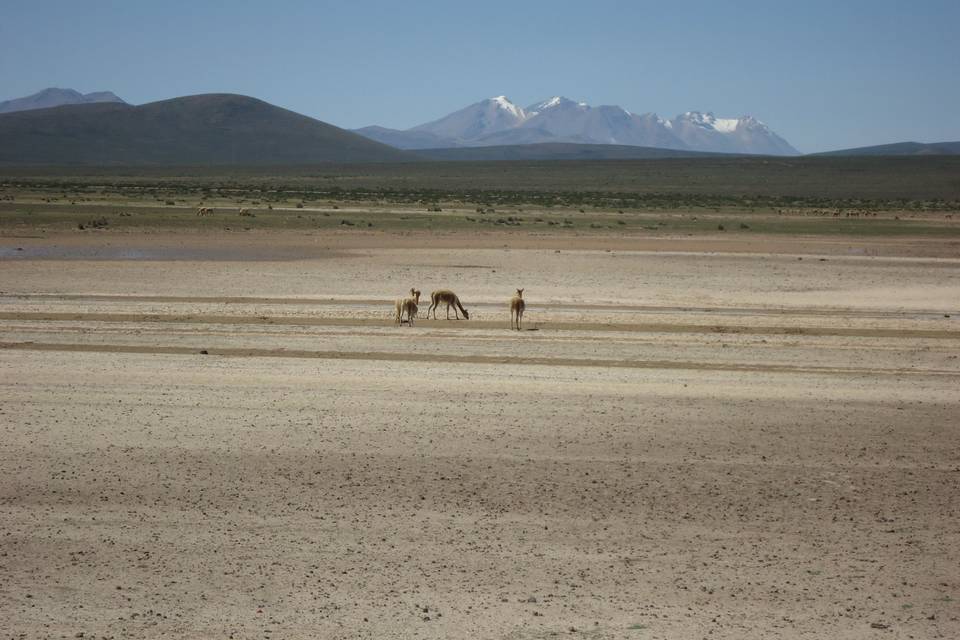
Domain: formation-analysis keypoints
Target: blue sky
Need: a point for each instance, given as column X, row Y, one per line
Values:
column 824, row 75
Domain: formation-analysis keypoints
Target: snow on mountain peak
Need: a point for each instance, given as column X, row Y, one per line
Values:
column 710, row 121
column 749, row 122
column 506, row 105
column 725, row 125
column 697, row 117
column 555, row 101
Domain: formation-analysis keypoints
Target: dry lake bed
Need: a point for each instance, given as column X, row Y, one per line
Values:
column 221, row 435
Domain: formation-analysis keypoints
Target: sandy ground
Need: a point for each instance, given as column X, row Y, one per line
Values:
column 694, row 438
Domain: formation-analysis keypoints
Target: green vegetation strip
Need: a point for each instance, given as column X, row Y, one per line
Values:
column 904, row 183
column 106, row 217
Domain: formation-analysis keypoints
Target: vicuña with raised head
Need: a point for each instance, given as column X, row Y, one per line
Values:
column 517, row 306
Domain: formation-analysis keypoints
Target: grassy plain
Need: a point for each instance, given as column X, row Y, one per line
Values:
column 845, row 196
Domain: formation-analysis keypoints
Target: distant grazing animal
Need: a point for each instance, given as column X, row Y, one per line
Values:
column 450, row 299
column 408, row 306
column 245, row 212
column 405, row 306
column 415, row 294
column 517, row 305
column 204, row 211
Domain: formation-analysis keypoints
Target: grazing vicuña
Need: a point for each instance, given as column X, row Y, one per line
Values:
column 450, row 299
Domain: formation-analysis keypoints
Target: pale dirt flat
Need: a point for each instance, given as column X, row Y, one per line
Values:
column 691, row 439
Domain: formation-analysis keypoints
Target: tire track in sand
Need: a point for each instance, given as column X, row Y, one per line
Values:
column 468, row 359
column 573, row 306
column 634, row 327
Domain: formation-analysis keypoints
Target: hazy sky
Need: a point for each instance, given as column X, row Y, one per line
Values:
column 824, row 75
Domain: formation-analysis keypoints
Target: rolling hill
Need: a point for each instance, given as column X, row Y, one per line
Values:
column 900, row 149
column 208, row 129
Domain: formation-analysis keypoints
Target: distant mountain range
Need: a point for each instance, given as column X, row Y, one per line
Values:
column 55, row 98
column 63, row 126
column 211, row 129
column 558, row 151
column 497, row 121
column 900, row 149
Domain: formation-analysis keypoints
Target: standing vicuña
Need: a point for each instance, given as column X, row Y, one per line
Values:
column 408, row 306
column 450, row 299
column 517, row 305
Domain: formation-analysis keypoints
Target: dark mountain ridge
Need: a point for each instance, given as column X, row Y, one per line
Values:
column 900, row 149
column 207, row 129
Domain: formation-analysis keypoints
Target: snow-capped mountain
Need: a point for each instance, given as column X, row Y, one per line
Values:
column 706, row 132
column 53, row 97
column 562, row 120
column 477, row 120
column 497, row 121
